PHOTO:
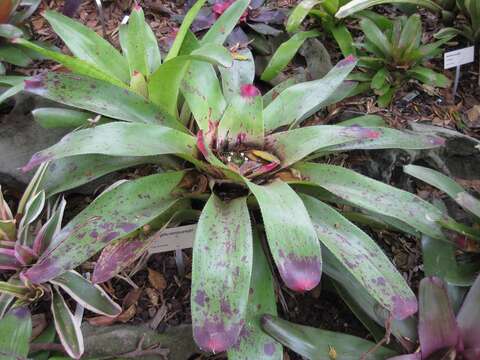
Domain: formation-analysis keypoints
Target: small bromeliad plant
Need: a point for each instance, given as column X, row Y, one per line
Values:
column 241, row 157
column 23, row 240
column 395, row 54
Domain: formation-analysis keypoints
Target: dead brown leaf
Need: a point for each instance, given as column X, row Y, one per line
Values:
column 156, row 279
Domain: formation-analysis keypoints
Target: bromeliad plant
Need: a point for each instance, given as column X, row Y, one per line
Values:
column 241, row 153
column 396, row 55
column 470, row 29
column 23, row 240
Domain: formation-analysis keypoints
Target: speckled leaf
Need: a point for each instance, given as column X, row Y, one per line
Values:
column 318, row 344
column 242, row 72
column 299, row 99
column 291, row 236
column 253, row 342
column 112, row 216
column 68, row 173
column 68, row 329
column 90, row 296
column 15, row 332
column 299, row 13
column 164, row 84
column 360, row 255
column 386, row 138
column 99, row 97
column 437, row 327
column 221, row 271
column 242, row 121
column 87, row 45
column 132, row 39
column 375, row 196
column 220, row 30
column 313, row 138
column 468, row 318
column 285, row 53
column 447, row 185
column 118, row 139
column 76, row 65
column 357, row 5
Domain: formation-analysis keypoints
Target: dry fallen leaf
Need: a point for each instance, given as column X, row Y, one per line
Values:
column 156, row 279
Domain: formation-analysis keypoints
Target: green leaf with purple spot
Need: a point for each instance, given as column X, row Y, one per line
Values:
column 98, row 97
column 363, row 258
column 112, row 216
column 253, row 342
column 221, row 271
column 118, row 139
column 297, row 100
column 290, row 233
column 242, row 121
column 375, row 196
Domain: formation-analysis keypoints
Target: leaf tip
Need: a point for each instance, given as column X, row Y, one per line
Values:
column 301, row 274
column 249, row 91
column 214, row 336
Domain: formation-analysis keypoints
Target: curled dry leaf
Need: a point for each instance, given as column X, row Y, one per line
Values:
column 156, row 279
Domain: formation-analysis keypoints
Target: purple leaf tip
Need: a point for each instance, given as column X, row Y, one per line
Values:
column 301, row 274
column 350, row 59
column 249, row 90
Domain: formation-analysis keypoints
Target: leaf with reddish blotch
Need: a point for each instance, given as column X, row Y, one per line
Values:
column 15, row 332
column 68, row 329
column 468, row 318
column 363, row 258
column 313, row 138
column 447, row 185
column 99, row 97
column 290, row 233
column 242, row 121
column 118, row 139
column 242, row 72
column 375, row 196
column 90, row 296
column 112, row 216
column 253, row 342
column 385, row 138
column 87, row 45
column 297, row 100
column 221, row 271
column 437, row 327
column 318, row 344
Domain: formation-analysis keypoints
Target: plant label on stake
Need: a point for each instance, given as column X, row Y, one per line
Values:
column 176, row 238
column 456, row 59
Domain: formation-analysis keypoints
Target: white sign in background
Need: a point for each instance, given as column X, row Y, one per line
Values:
column 459, row 57
column 175, row 238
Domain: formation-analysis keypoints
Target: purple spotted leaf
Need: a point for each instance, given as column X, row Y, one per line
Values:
column 375, row 196
column 291, row 236
column 253, row 342
column 221, row 270
column 299, row 99
column 437, row 327
column 363, row 258
column 468, row 319
column 242, row 121
column 118, row 139
column 112, row 216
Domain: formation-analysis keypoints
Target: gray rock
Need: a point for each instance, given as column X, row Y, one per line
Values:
column 116, row 340
column 20, row 138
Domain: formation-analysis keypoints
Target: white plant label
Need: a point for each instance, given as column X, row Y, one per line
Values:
column 176, row 238
column 459, row 57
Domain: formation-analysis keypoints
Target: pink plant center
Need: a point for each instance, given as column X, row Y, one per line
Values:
column 249, row 90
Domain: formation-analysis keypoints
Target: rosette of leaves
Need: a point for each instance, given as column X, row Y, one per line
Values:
column 13, row 15
column 239, row 158
column 23, row 240
column 442, row 335
column 469, row 27
column 394, row 54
